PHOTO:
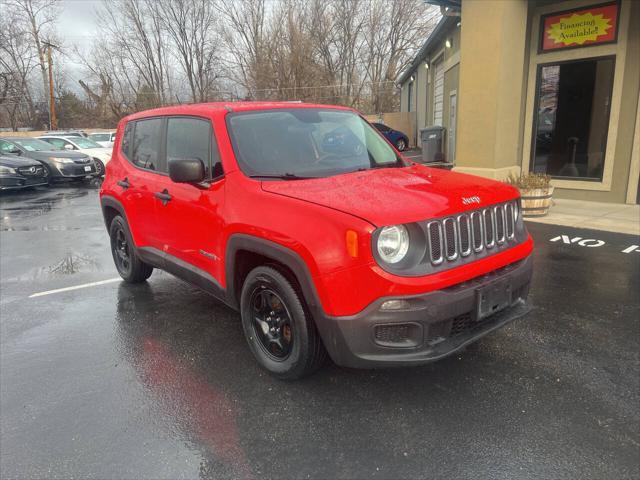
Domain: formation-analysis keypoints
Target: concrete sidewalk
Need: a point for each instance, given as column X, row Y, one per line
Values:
column 610, row 217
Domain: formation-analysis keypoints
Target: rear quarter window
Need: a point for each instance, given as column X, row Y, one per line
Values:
column 125, row 146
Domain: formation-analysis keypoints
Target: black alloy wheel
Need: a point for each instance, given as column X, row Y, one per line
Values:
column 271, row 323
column 278, row 326
column 122, row 256
column 128, row 264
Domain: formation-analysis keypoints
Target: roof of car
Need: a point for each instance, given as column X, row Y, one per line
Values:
column 207, row 108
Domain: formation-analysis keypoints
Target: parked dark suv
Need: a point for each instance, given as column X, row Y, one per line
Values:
column 319, row 232
column 60, row 164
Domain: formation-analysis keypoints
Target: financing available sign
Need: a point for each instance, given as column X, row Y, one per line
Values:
column 579, row 28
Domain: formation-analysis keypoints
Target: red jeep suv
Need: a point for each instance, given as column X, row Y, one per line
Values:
column 306, row 220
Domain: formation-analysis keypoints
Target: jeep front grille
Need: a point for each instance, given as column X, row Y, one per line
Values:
column 481, row 231
column 450, row 241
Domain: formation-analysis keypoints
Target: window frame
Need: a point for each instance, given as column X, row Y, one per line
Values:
column 160, row 139
column 534, row 120
column 162, row 150
column 213, row 143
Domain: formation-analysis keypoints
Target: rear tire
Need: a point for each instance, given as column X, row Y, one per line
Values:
column 280, row 332
column 128, row 264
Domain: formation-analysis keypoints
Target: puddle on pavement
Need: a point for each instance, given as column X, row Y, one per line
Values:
column 69, row 265
column 74, row 264
column 17, row 207
column 48, row 228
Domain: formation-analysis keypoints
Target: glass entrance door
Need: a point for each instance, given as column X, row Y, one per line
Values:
column 573, row 100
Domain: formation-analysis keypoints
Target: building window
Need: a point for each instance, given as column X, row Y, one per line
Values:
column 573, row 100
column 409, row 96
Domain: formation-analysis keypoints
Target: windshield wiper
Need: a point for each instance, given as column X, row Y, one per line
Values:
column 282, row 176
column 375, row 167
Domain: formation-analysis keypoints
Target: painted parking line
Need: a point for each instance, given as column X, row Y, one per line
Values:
column 75, row 287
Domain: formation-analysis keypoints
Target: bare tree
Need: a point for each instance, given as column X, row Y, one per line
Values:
column 138, row 42
column 192, row 28
column 17, row 62
column 38, row 18
column 244, row 31
column 341, row 51
column 393, row 32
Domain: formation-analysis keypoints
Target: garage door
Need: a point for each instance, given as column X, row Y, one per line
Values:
column 438, row 91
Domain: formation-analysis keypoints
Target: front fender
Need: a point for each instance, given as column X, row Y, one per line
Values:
column 275, row 251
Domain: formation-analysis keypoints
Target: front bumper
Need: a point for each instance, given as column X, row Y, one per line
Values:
column 73, row 170
column 15, row 182
column 435, row 324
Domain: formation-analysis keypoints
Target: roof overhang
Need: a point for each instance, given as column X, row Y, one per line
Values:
column 445, row 23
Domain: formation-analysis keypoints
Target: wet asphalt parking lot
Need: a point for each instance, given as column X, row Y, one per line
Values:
column 155, row 380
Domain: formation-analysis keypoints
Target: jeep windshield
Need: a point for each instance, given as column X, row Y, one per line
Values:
column 301, row 143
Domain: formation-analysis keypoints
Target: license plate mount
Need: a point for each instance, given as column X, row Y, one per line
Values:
column 87, row 168
column 493, row 298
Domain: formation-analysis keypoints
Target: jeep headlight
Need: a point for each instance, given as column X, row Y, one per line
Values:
column 60, row 160
column 393, row 243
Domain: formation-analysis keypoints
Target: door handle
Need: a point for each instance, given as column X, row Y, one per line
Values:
column 163, row 196
column 124, row 183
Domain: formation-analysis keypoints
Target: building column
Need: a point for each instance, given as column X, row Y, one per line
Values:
column 492, row 87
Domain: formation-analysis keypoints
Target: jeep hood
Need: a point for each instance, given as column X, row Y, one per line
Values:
column 391, row 196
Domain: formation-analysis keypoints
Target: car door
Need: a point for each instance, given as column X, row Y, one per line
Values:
column 189, row 216
column 142, row 174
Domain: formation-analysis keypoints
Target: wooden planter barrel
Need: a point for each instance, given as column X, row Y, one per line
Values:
column 536, row 201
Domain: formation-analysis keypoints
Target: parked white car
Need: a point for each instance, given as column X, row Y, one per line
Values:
column 97, row 152
column 106, row 139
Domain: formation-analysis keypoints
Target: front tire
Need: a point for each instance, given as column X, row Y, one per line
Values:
column 128, row 264
column 281, row 334
column 99, row 167
column 48, row 175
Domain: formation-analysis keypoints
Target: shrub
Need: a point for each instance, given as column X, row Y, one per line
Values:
column 527, row 181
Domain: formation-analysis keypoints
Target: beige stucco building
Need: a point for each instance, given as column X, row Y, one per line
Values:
column 535, row 85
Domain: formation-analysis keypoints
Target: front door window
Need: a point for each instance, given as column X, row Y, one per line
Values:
column 572, row 118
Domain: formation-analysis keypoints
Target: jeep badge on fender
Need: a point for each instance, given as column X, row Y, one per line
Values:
column 306, row 220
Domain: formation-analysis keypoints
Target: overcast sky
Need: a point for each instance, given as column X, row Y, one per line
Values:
column 77, row 27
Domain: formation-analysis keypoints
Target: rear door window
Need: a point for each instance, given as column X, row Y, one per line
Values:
column 145, row 148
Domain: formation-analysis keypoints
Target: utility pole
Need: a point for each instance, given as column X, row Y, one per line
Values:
column 53, row 121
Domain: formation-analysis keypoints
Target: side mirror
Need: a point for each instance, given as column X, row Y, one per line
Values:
column 68, row 147
column 186, row 170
